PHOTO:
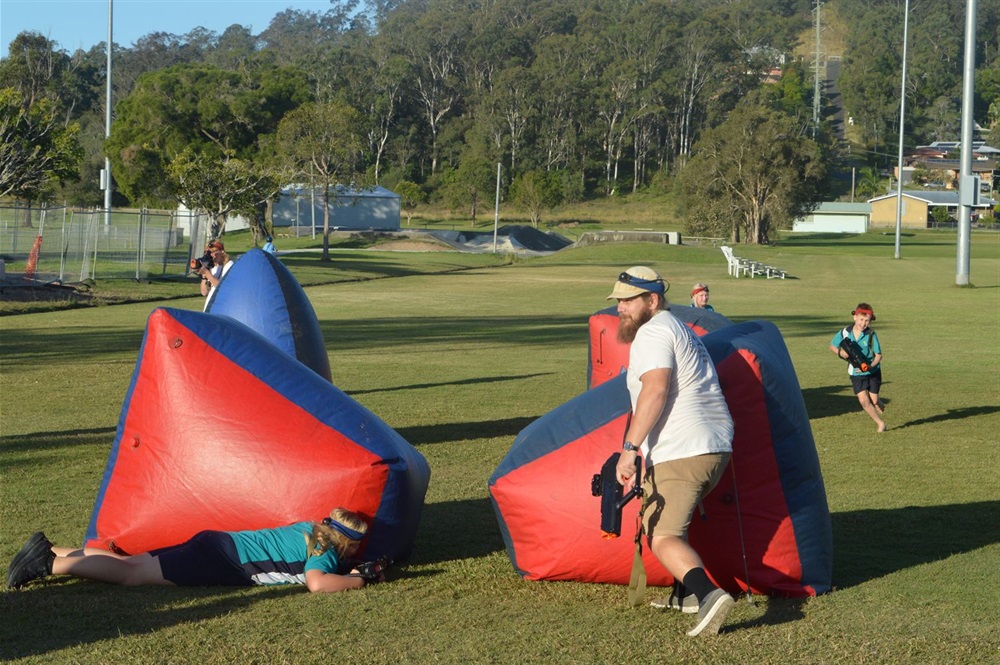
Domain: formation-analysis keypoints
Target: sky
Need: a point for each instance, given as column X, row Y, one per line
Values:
column 80, row 24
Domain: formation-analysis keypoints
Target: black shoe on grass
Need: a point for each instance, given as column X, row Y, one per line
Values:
column 688, row 603
column 33, row 562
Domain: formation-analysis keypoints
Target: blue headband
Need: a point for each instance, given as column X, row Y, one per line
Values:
column 651, row 285
column 346, row 530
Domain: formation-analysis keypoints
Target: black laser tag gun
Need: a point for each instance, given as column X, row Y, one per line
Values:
column 373, row 572
column 605, row 485
column 854, row 354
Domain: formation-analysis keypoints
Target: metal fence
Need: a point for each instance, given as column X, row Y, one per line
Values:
column 79, row 244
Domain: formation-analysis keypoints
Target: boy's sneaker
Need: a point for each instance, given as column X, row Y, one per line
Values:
column 712, row 613
column 33, row 562
column 687, row 604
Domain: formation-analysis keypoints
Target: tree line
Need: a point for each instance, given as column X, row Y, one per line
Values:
column 575, row 99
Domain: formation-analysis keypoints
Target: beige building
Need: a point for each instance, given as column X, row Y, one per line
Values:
column 917, row 206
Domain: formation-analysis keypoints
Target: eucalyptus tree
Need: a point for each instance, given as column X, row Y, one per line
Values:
column 36, row 146
column 870, row 78
column 410, row 196
column 378, row 82
column 325, row 140
column 752, row 174
column 433, row 37
column 557, row 68
column 45, row 93
column 221, row 185
column 235, row 49
column 37, row 68
column 513, row 101
column 536, row 192
column 472, row 181
column 642, row 40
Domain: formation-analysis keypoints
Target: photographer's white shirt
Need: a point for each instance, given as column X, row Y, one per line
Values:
column 218, row 272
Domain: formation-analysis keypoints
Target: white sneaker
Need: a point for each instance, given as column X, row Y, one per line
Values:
column 712, row 613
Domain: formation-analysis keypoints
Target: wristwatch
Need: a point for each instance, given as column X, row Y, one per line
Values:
column 630, row 447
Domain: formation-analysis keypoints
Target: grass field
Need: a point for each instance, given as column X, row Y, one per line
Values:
column 459, row 361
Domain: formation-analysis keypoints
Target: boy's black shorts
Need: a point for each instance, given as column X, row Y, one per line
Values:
column 870, row 382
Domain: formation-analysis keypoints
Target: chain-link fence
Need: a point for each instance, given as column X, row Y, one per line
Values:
column 78, row 244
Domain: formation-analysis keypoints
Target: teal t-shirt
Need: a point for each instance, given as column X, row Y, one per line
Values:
column 867, row 341
column 279, row 556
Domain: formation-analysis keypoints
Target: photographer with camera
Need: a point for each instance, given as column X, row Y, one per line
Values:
column 682, row 427
column 211, row 267
column 312, row 553
column 859, row 346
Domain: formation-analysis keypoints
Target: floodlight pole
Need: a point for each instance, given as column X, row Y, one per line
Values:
column 106, row 180
column 968, row 186
column 902, row 124
column 496, row 211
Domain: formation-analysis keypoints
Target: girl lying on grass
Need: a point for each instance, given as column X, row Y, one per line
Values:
column 307, row 553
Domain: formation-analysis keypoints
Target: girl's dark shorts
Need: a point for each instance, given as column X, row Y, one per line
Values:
column 208, row 558
column 869, row 382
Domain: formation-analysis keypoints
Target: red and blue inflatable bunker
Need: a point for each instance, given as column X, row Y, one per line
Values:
column 770, row 506
column 608, row 357
column 221, row 429
column 260, row 292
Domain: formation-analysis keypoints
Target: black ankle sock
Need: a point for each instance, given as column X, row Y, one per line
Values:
column 697, row 582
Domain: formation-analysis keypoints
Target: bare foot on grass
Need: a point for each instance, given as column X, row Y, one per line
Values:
column 881, row 427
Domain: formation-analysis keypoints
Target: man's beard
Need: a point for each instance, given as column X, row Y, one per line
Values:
column 628, row 327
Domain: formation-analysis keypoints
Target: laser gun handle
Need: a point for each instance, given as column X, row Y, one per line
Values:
column 636, row 488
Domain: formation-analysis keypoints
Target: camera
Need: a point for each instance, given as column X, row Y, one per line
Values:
column 373, row 572
column 204, row 262
column 605, row 485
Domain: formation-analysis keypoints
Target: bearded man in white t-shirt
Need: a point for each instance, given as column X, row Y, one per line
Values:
column 682, row 428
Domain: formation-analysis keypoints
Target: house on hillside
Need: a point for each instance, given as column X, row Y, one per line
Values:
column 917, row 206
column 835, row 217
column 986, row 169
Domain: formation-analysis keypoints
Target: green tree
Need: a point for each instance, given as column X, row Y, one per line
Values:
column 870, row 184
column 36, row 147
column 473, row 180
column 751, row 175
column 536, row 192
column 325, row 140
column 869, row 80
column 196, row 108
column 410, row 196
column 940, row 215
column 223, row 186
column 433, row 38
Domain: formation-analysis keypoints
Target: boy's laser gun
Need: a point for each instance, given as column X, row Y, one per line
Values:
column 613, row 500
column 854, row 354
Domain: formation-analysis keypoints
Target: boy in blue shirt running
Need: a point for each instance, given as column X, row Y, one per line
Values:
column 866, row 381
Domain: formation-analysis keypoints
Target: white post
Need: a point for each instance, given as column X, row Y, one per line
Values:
column 496, row 211
column 902, row 120
column 966, row 181
column 107, row 125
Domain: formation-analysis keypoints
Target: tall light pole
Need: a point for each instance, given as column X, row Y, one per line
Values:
column 902, row 121
column 968, row 186
column 106, row 180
